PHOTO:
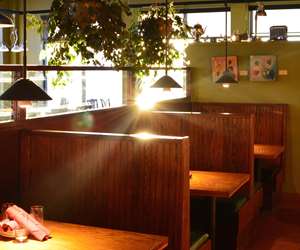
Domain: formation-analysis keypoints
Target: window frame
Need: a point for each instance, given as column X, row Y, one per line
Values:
column 19, row 114
column 204, row 10
column 252, row 9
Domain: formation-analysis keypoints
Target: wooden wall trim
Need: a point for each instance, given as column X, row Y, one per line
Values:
column 106, row 136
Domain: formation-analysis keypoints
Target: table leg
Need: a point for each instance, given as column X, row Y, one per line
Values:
column 213, row 222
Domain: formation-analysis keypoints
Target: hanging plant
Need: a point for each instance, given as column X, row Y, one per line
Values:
column 147, row 44
column 87, row 27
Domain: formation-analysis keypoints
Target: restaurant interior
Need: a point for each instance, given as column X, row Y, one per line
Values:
column 149, row 125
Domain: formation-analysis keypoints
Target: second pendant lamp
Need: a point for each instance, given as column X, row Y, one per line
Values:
column 166, row 82
column 24, row 89
column 227, row 77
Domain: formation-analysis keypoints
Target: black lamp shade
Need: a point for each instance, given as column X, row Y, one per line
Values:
column 5, row 22
column 24, row 90
column 166, row 82
column 227, row 77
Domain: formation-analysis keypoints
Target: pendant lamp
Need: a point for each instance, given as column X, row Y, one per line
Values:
column 24, row 89
column 5, row 21
column 166, row 82
column 227, row 77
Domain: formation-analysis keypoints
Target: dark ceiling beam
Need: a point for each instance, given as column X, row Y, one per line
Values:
column 177, row 3
column 18, row 12
column 199, row 2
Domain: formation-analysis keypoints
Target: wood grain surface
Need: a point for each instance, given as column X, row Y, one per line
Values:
column 218, row 142
column 108, row 180
column 77, row 237
column 271, row 152
column 216, row 184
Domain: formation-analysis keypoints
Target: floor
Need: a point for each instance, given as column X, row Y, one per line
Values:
column 278, row 230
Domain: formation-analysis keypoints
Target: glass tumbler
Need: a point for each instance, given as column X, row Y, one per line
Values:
column 37, row 211
column 21, row 235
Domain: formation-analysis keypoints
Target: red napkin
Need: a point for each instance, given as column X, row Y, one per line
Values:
column 29, row 222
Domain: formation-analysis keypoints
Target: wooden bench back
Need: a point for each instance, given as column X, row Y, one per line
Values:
column 217, row 142
column 109, row 180
column 270, row 119
column 9, row 165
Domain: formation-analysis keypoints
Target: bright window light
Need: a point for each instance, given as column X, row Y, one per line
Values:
column 285, row 17
column 148, row 96
column 211, row 22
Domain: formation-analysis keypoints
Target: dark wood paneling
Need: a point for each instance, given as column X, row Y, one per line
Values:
column 162, row 123
column 174, row 105
column 271, row 119
column 9, row 177
column 217, row 142
column 110, row 181
column 109, row 120
column 113, row 119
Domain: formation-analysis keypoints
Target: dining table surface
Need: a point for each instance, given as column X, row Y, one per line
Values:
column 271, row 152
column 216, row 184
column 65, row 236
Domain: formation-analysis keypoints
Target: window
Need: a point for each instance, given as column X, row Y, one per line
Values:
column 73, row 90
column 286, row 17
column 212, row 22
column 83, row 90
column 148, row 96
column 5, row 106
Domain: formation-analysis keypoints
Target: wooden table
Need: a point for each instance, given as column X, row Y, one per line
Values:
column 271, row 152
column 266, row 169
column 216, row 185
column 76, row 237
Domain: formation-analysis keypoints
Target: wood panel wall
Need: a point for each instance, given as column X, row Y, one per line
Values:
column 107, row 180
column 107, row 120
column 271, row 119
column 217, row 142
column 9, row 165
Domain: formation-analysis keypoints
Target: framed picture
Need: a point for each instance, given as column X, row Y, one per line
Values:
column 263, row 68
column 218, row 66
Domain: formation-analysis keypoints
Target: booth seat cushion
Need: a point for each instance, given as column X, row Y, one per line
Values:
column 200, row 214
column 197, row 239
column 257, row 185
column 232, row 205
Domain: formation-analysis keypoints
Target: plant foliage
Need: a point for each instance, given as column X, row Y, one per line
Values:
column 150, row 36
column 90, row 27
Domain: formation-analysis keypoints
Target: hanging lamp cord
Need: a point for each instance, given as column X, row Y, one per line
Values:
column 226, row 41
column 24, row 39
column 166, row 37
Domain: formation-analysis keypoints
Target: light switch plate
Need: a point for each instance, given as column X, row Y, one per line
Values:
column 243, row 72
column 283, row 72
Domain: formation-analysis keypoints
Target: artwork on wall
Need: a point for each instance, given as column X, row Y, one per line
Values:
column 263, row 68
column 218, row 66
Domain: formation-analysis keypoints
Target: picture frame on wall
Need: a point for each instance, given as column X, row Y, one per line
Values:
column 263, row 68
column 218, row 67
